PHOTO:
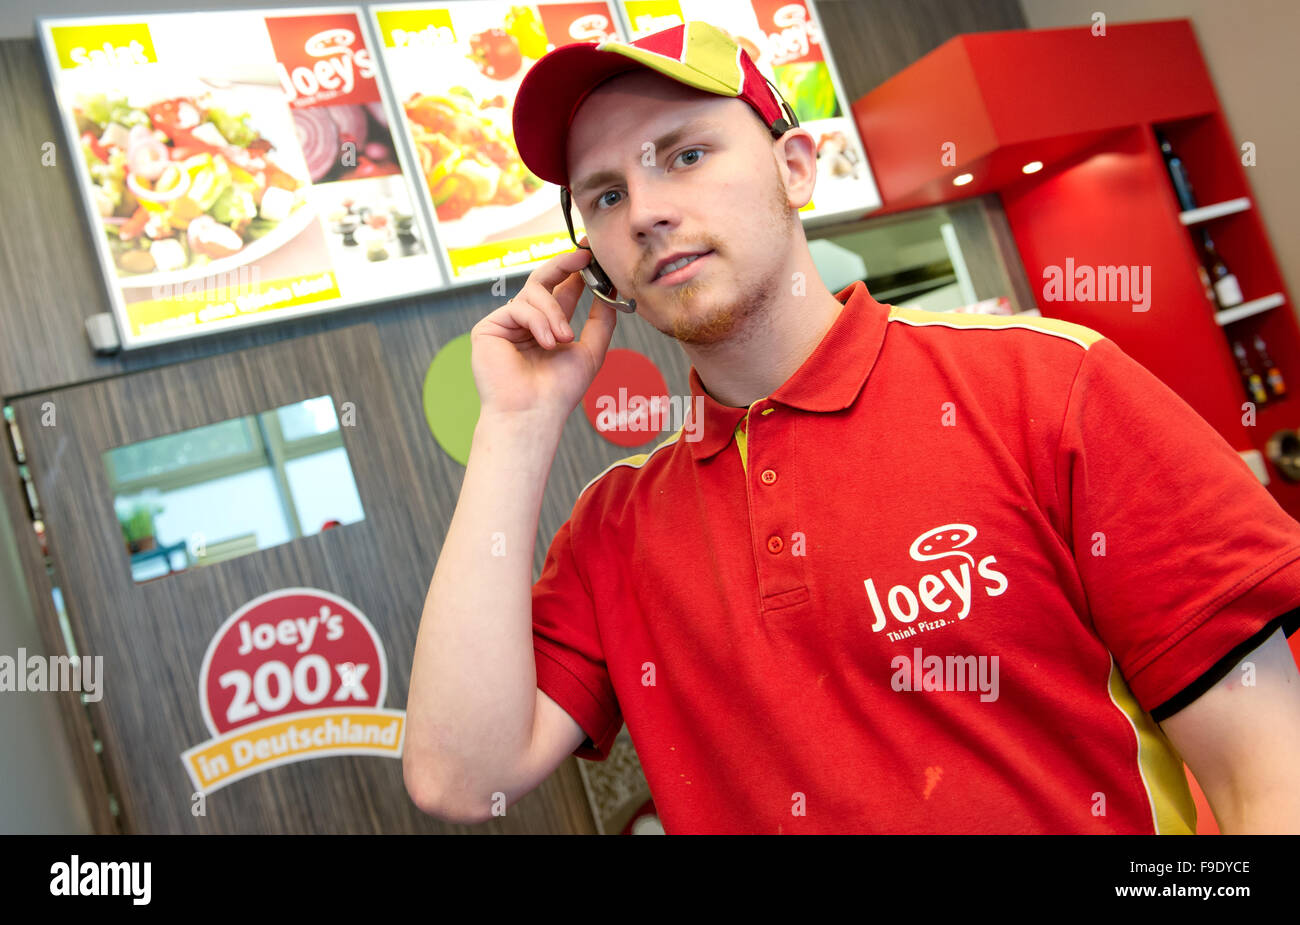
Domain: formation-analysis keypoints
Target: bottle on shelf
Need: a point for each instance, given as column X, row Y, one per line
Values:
column 1207, row 286
column 1226, row 288
column 1177, row 173
column 1251, row 379
column 1272, row 374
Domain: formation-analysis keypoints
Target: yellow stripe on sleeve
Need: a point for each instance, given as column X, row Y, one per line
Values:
column 1173, row 811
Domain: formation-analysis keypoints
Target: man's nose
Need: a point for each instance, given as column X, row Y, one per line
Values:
column 651, row 208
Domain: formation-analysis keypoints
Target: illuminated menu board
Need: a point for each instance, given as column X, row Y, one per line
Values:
column 238, row 168
column 456, row 68
column 244, row 167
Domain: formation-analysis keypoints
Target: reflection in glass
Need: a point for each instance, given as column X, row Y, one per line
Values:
column 913, row 261
column 221, row 491
column 307, row 418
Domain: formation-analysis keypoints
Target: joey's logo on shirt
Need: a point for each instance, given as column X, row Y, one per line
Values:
column 941, row 598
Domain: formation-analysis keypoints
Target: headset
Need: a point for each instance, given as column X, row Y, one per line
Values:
column 594, row 275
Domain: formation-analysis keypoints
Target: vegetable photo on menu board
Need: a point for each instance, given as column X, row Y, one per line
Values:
column 237, row 167
column 467, row 157
column 181, row 182
column 455, row 68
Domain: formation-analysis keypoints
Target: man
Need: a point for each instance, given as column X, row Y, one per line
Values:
column 920, row 573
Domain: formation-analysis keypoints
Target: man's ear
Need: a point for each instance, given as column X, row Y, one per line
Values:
column 796, row 153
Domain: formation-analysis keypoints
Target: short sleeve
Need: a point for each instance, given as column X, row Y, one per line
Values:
column 566, row 641
column 1183, row 555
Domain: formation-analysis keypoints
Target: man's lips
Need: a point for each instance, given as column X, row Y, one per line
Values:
column 656, row 278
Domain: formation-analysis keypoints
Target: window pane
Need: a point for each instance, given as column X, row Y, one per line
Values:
column 323, row 490
column 214, row 493
column 176, row 451
column 308, row 418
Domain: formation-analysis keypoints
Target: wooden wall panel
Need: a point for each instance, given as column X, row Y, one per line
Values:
column 872, row 40
column 91, row 777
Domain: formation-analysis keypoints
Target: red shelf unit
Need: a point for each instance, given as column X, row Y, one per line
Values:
column 1086, row 105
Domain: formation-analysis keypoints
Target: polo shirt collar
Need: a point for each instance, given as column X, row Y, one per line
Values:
column 828, row 380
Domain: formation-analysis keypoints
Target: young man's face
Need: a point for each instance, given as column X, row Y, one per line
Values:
column 713, row 186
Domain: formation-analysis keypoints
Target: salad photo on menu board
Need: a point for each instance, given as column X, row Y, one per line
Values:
column 455, row 69
column 784, row 39
column 237, row 167
column 182, row 182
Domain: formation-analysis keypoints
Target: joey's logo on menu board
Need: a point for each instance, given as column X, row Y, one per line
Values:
column 295, row 674
column 322, row 60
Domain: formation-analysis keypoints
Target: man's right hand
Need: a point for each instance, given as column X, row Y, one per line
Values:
column 523, row 354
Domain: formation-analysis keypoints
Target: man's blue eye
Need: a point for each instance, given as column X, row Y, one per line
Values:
column 600, row 200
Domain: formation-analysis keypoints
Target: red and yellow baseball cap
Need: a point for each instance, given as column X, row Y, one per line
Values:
column 696, row 53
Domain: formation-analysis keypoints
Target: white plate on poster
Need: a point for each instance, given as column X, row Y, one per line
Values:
column 268, row 114
column 281, row 235
column 475, row 225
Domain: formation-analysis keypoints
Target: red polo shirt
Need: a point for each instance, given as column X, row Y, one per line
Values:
column 960, row 561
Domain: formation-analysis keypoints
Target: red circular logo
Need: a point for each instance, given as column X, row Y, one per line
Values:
column 288, row 651
column 628, row 402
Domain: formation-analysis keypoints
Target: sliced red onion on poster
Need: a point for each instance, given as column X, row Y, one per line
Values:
column 352, row 123
column 377, row 110
column 319, row 137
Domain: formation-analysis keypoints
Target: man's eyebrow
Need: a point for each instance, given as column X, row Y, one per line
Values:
column 663, row 141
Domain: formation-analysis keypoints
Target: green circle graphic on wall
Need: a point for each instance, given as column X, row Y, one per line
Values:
column 451, row 403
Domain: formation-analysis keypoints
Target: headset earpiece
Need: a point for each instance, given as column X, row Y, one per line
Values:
column 593, row 274
column 781, row 126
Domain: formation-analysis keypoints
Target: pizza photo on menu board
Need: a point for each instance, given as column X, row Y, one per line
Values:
column 455, row 68
column 237, row 167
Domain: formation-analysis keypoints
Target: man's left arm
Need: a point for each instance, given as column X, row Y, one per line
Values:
column 1241, row 738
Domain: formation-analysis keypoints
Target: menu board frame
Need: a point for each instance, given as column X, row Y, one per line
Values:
column 109, row 281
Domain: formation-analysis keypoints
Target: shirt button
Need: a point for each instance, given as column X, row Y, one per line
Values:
column 774, row 544
column 768, row 476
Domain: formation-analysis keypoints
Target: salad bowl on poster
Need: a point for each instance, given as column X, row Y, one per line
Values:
column 166, row 137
